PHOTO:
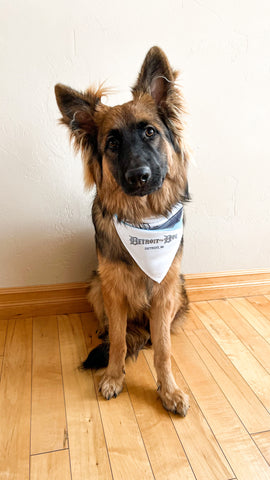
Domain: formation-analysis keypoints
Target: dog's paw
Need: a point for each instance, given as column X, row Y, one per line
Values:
column 110, row 386
column 176, row 401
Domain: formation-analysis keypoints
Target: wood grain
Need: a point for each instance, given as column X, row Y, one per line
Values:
column 220, row 358
column 256, row 319
column 15, row 401
column 120, row 423
column 3, row 332
column 210, row 286
column 225, row 424
column 51, row 466
column 48, row 426
column 255, row 343
column 262, row 440
column 71, row 297
column 261, row 303
column 246, row 404
column 43, row 300
column 85, row 433
column 164, row 449
column 247, row 365
column 125, row 445
column 196, row 436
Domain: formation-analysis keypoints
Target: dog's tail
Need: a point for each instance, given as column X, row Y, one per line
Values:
column 137, row 338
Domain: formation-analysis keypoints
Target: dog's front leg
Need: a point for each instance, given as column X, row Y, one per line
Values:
column 111, row 383
column 173, row 399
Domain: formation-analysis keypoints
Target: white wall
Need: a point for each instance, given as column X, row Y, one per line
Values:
column 222, row 48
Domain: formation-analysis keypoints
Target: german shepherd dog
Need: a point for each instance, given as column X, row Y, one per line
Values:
column 136, row 156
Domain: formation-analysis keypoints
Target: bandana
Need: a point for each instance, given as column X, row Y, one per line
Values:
column 154, row 244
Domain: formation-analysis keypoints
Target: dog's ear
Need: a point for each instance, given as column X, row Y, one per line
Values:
column 78, row 111
column 157, row 78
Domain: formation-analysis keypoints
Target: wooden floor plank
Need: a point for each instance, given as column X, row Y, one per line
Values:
column 155, row 425
column 192, row 322
column 250, row 410
column 164, row 449
column 261, row 303
column 50, row 466
column 86, row 438
column 247, row 365
column 244, row 331
column 141, row 388
column 15, row 401
column 200, row 445
column 3, row 331
column 256, row 319
column 262, row 440
column 118, row 416
column 225, row 424
column 124, row 441
column 223, row 353
column 48, row 426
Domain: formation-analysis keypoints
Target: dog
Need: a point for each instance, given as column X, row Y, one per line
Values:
column 136, row 156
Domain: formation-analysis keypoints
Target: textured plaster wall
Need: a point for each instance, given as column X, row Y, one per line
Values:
column 222, row 49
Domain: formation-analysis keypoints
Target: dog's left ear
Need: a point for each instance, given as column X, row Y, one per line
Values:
column 157, row 78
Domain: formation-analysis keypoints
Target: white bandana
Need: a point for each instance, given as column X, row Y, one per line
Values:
column 154, row 245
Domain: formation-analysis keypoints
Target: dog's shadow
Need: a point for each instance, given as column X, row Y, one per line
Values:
column 144, row 398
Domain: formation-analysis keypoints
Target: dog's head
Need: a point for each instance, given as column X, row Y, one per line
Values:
column 135, row 149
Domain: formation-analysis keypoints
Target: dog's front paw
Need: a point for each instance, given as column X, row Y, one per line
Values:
column 176, row 401
column 110, row 386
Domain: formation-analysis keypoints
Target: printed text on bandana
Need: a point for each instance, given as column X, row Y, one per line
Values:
column 146, row 241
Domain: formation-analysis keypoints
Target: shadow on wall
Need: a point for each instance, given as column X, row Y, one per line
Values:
column 47, row 257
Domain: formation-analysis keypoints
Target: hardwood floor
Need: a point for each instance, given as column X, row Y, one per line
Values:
column 55, row 425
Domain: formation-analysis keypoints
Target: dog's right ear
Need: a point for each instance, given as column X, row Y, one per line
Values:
column 78, row 112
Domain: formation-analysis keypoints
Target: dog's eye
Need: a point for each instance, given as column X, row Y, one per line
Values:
column 149, row 131
column 113, row 144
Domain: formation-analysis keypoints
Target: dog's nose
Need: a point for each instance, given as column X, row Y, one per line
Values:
column 138, row 177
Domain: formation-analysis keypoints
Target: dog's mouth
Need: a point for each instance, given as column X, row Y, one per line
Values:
column 142, row 190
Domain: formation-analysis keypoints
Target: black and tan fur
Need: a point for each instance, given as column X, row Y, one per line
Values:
column 136, row 156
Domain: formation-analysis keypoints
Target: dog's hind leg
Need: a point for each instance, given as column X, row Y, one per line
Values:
column 137, row 338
